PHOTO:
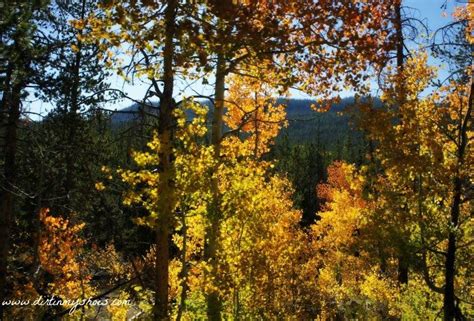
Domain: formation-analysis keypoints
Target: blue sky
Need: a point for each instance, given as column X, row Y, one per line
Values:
column 429, row 10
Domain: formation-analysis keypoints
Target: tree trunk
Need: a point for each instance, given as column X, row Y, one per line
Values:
column 166, row 202
column 11, row 102
column 399, row 35
column 14, row 83
column 451, row 312
column 212, row 233
column 449, row 299
column 72, row 118
column 402, row 258
column 402, row 269
column 184, row 269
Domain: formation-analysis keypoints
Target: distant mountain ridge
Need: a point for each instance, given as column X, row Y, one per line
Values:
column 294, row 107
column 305, row 124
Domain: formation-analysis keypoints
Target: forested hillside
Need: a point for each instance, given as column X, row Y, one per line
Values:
column 218, row 194
column 304, row 124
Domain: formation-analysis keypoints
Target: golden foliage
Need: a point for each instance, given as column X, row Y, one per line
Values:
column 59, row 251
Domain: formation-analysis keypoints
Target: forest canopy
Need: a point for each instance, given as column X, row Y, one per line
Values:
column 275, row 160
